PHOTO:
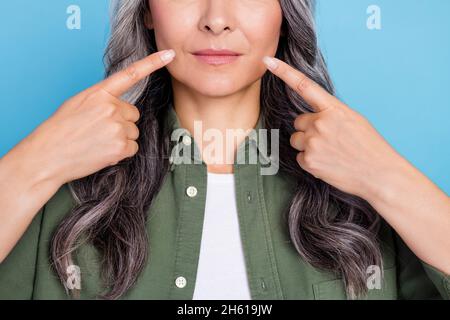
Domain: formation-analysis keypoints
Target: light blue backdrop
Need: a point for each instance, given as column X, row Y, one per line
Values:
column 398, row 76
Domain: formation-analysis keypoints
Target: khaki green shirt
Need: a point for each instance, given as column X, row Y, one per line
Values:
column 274, row 268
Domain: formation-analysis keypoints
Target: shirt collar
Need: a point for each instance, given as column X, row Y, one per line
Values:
column 173, row 123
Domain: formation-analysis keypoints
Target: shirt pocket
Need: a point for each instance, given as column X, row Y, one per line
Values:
column 335, row 290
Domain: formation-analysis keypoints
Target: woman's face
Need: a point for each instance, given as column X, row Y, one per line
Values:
column 248, row 27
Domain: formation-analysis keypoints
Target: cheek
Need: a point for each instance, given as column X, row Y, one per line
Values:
column 171, row 25
column 263, row 31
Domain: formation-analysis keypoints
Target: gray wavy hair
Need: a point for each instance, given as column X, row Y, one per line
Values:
column 330, row 229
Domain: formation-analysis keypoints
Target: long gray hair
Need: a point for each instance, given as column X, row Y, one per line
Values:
column 332, row 230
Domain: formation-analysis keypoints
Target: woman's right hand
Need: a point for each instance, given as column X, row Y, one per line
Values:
column 87, row 133
column 93, row 129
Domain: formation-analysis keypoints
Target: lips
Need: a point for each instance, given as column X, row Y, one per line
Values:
column 212, row 52
column 216, row 57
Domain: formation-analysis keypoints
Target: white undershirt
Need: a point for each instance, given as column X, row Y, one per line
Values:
column 221, row 272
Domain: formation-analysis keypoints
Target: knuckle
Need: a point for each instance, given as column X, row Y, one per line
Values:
column 297, row 122
column 312, row 143
column 292, row 140
column 119, row 148
column 131, row 72
column 300, row 120
column 109, row 109
column 133, row 113
column 153, row 61
column 135, row 147
column 319, row 125
column 308, row 160
column 138, row 113
column 133, row 132
column 298, row 158
column 305, row 160
column 295, row 139
column 136, row 133
column 117, row 129
column 303, row 83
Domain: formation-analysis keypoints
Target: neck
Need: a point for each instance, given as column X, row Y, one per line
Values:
column 215, row 116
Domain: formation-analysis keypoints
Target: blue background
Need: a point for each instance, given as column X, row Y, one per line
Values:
column 398, row 77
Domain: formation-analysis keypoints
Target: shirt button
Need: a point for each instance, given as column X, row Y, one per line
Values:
column 187, row 140
column 180, row 282
column 191, row 191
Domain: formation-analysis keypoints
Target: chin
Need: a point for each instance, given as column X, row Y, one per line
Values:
column 216, row 88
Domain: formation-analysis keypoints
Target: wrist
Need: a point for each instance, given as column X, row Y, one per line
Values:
column 388, row 180
column 29, row 168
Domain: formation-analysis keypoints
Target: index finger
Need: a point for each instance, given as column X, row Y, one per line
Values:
column 316, row 96
column 120, row 82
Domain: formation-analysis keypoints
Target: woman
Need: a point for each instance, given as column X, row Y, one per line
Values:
column 110, row 212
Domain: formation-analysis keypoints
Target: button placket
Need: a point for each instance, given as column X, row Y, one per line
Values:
column 264, row 282
column 190, row 224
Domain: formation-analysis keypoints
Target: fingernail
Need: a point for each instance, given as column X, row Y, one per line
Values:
column 270, row 62
column 167, row 55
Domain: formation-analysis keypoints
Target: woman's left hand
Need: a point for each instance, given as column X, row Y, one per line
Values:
column 337, row 144
column 340, row 147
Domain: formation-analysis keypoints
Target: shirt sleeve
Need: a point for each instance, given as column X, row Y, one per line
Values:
column 440, row 280
column 417, row 279
column 17, row 271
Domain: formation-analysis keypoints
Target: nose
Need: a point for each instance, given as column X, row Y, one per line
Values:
column 217, row 16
